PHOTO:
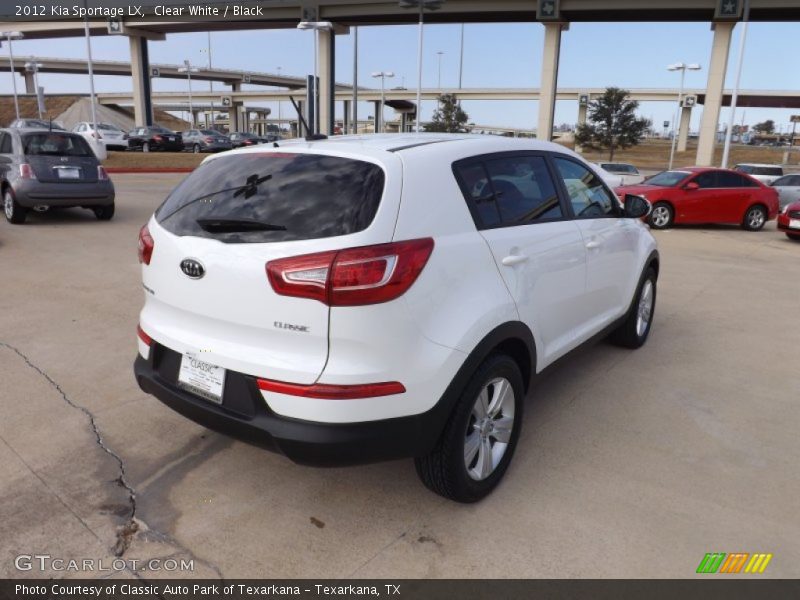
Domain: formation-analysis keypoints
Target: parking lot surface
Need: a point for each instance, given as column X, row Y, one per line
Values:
column 630, row 463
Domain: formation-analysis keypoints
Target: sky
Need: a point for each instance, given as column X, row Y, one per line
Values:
column 628, row 55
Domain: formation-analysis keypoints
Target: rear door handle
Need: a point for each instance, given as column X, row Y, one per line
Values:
column 592, row 245
column 514, row 259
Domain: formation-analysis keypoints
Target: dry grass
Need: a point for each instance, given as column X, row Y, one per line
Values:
column 28, row 107
column 153, row 160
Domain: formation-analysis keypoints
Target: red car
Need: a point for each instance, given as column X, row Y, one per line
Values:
column 705, row 195
column 789, row 221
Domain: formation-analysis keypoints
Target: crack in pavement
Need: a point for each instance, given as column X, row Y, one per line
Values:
column 126, row 531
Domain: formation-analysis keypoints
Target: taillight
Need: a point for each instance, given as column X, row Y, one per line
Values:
column 97, row 136
column 26, row 172
column 157, row 138
column 208, row 140
column 146, row 245
column 324, row 391
column 352, row 277
column 143, row 336
column 102, row 174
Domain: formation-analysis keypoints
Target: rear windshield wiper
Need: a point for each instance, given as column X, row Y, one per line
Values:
column 249, row 189
column 228, row 225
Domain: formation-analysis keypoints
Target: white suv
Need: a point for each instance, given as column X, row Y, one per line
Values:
column 367, row 298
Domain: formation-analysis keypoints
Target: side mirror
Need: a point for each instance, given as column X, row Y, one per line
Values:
column 691, row 186
column 636, row 207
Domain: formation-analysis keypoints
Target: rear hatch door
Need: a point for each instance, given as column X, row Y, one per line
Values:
column 61, row 157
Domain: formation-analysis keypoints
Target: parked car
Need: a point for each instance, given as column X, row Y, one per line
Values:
column 149, row 139
column 788, row 188
column 764, row 173
column 245, row 138
column 44, row 169
column 311, row 299
column 36, row 124
column 789, row 221
column 107, row 134
column 612, row 179
column 628, row 173
column 706, row 195
column 206, row 140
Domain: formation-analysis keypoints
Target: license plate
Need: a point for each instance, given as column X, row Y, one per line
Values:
column 794, row 223
column 69, row 173
column 170, row 138
column 201, row 378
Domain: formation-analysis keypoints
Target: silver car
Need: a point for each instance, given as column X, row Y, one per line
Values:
column 44, row 169
column 788, row 188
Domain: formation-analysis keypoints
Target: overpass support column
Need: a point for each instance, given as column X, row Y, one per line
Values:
column 549, row 84
column 326, row 58
column 30, row 83
column 717, row 67
column 581, row 120
column 683, row 129
column 346, row 120
column 140, row 74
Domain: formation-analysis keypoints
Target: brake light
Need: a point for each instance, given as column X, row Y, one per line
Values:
column 97, row 136
column 324, row 391
column 157, row 138
column 26, row 171
column 102, row 174
column 143, row 336
column 146, row 245
column 352, row 277
column 208, row 140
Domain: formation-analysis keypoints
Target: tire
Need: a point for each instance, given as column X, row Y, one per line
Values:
column 634, row 330
column 755, row 218
column 104, row 213
column 661, row 216
column 447, row 470
column 15, row 213
column 794, row 236
column 196, row 149
column 146, row 147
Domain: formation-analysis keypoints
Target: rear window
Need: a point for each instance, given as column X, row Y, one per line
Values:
column 55, row 144
column 299, row 196
column 667, row 178
column 620, row 168
column 754, row 170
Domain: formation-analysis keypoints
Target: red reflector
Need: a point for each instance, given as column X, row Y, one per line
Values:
column 143, row 336
column 102, row 175
column 146, row 245
column 325, row 391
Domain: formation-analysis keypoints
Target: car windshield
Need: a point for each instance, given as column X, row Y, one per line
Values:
column 211, row 132
column 107, row 127
column 302, row 196
column 620, row 168
column 55, row 144
column 668, row 178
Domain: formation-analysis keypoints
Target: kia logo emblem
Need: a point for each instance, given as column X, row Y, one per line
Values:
column 192, row 268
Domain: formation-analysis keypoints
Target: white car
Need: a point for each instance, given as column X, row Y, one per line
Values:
column 626, row 172
column 766, row 174
column 788, row 188
column 109, row 136
column 368, row 298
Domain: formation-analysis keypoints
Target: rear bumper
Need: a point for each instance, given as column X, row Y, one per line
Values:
column 33, row 193
column 244, row 415
column 783, row 224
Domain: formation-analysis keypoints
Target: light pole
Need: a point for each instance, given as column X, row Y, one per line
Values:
column 439, row 80
column 102, row 153
column 13, row 35
column 316, row 27
column 189, row 69
column 355, row 81
column 33, row 67
column 735, row 95
column 682, row 67
column 383, row 75
column 421, row 5
column 461, row 59
column 280, row 127
column 210, row 81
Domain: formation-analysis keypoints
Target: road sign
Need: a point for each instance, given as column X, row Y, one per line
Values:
column 155, row 72
column 728, row 10
column 794, row 119
column 226, row 101
column 666, row 124
column 689, row 101
column 583, row 99
column 245, row 78
column 548, row 10
column 114, row 26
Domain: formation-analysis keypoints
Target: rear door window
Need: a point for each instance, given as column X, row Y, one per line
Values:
column 706, row 180
column 5, row 143
column 523, row 189
column 728, row 179
column 281, row 196
column 55, row 144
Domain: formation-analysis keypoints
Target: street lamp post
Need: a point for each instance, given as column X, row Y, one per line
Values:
column 280, row 127
column 91, row 85
column 189, row 69
column 421, row 5
column 461, row 59
column 383, row 75
column 316, row 27
column 33, row 67
column 13, row 35
column 735, row 95
column 439, row 80
column 682, row 67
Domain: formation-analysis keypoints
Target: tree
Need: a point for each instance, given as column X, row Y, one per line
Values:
column 612, row 123
column 449, row 117
column 767, row 127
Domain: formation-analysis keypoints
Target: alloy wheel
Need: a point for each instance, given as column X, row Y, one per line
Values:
column 489, row 428
column 645, row 309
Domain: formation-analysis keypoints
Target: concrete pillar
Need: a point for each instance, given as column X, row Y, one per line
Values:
column 581, row 120
column 346, row 120
column 30, row 83
column 683, row 129
column 547, row 91
column 140, row 74
column 377, row 124
column 717, row 67
column 325, row 60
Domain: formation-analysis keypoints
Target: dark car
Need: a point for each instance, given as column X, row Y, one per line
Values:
column 245, row 138
column 149, row 139
column 44, row 169
column 206, row 140
column 36, row 124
